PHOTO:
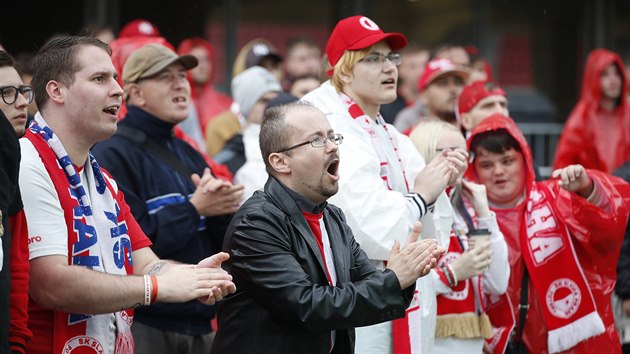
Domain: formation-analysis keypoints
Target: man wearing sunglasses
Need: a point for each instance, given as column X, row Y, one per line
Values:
column 15, row 97
column 303, row 281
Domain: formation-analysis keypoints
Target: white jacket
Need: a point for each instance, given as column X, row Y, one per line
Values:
column 252, row 175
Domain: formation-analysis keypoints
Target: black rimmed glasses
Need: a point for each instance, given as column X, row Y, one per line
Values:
column 10, row 93
column 378, row 58
column 317, row 142
column 449, row 148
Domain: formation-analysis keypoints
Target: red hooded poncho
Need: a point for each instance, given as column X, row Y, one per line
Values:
column 596, row 235
column 592, row 137
column 208, row 101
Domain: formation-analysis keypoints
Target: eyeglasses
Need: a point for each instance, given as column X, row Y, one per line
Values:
column 10, row 93
column 318, row 142
column 378, row 58
column 450, row 148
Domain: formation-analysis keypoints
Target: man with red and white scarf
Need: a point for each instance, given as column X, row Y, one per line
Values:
column 90, row 263
column 565, row 232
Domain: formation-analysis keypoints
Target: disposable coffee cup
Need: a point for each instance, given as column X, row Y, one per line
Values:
column 477, row 236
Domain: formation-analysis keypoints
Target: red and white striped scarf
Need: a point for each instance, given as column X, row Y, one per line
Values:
column 367, row 124
column 97, row 239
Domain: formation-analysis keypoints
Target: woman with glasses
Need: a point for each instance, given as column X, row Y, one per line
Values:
column 384, row 185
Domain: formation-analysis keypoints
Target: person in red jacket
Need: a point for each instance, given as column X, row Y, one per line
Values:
column 597, row 133
column 563, row 235
column 208, row 101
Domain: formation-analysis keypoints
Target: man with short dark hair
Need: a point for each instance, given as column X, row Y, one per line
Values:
column 304, row 282
column 184, row 215
column 303, row 58
column 91, row 263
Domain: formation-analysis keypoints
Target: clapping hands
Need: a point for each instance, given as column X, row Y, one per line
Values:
column 214, row 196
column 415, row 258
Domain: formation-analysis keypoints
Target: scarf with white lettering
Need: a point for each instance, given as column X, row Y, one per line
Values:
column 97, row 239
column 379, row 146
column 556, row 275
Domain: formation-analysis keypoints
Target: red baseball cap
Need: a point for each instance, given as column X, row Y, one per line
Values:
column 475, row 92
column 139, row 27
column 359, row 32
column 436, row 68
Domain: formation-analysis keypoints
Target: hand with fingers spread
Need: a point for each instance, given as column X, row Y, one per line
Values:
column 476, row 193
column 434, row 178
column 184, row 282
column 459, row 161
column 415, row 259
column 574, row 179
column 473, row 261
column 220, row 292
column 214, row 196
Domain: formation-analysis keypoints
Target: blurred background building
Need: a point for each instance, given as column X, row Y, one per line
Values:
column 536, row 48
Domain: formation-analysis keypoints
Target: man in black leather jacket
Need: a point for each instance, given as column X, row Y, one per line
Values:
column 303, row 281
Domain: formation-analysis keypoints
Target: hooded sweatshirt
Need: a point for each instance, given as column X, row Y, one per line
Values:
column 595, row 235
column 208, row 101
column 593, row 137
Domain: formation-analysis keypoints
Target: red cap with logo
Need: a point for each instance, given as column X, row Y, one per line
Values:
column 436, row 68
column 475, row 92
column 358, row 32
column 139, row 27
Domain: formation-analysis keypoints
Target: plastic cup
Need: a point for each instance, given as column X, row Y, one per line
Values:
column 478, row 236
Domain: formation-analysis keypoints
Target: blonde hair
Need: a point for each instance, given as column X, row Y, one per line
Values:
column 425, row 136
column 345, row 65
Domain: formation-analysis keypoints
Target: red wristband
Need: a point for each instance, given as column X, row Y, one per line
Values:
column 154, row 289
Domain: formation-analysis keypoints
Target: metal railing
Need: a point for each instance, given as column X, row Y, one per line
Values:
column 543, row 140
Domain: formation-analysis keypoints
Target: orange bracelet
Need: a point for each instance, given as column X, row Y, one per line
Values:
column 154, row 289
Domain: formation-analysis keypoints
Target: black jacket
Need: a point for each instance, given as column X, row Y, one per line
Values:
column 283, row 302
column 232, row 154
column 158, row 196
column 10, row 204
